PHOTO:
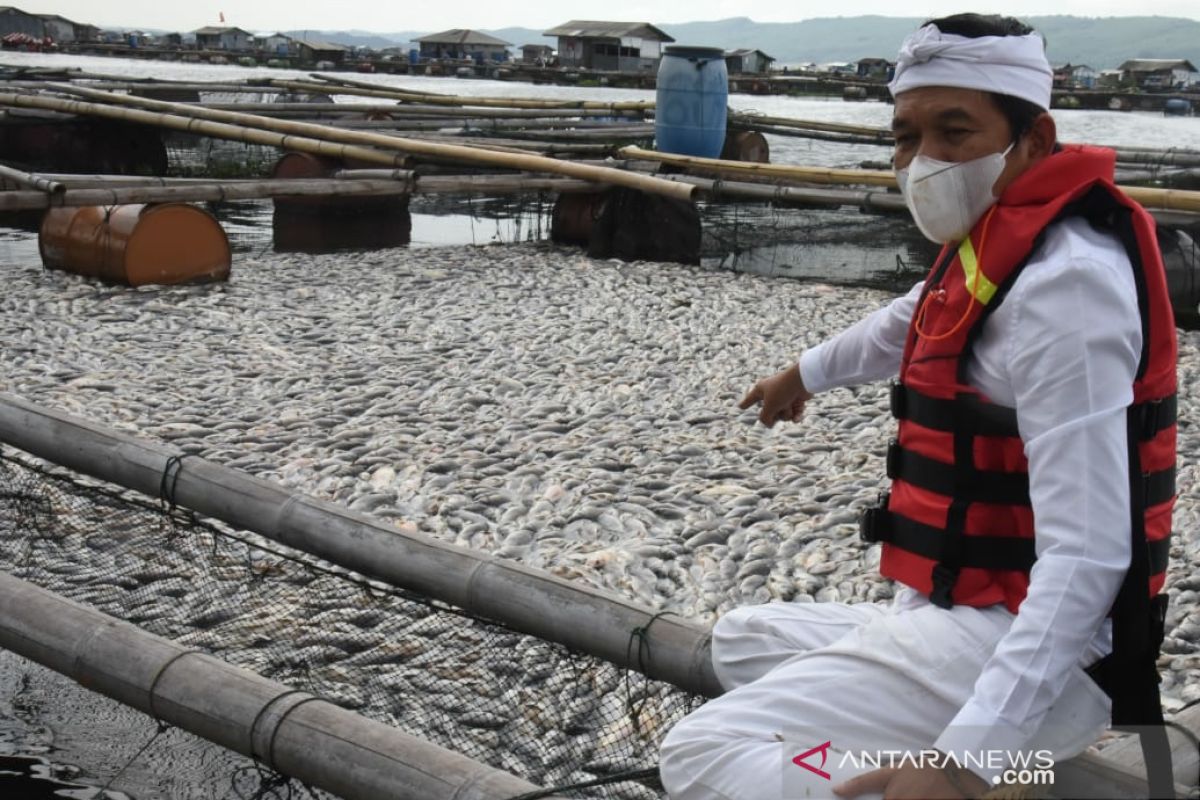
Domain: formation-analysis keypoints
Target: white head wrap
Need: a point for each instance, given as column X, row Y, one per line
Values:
column 1014, row 65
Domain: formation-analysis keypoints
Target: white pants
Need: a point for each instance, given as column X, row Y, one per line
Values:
column 864, row 677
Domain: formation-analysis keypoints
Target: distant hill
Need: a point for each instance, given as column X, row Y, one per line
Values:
column 376, row 41
column 1101, row 43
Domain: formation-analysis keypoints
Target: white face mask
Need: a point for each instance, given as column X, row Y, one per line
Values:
column 946, row 198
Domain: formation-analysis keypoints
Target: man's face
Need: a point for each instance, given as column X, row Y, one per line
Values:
column 950, row 124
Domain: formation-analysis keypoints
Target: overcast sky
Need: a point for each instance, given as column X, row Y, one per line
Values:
column 388, row 15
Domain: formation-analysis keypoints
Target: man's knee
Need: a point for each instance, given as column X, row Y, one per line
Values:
column 691, row 751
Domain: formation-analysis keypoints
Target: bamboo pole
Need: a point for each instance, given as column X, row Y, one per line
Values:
column 776, row 171
column 868, row 201
column 338, row 80
column 527, row 600
column 30, row 180
column 462, row 100
column 407, row 111
column 473, row 155
column 499, row 184
column 810, row 125
column 1185, row 760
column 1162, row 158
column 283, row 188
column 1173, row 199
column 1131, row 175
column 205, row 192
column 1151, row 197
column 551, row 127
column 127, row 85
column 293, row 732
column 799, row 133
column 217, row 130
column 767, row 124
column 885, row 202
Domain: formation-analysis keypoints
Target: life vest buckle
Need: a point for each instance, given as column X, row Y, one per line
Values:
column 892, row 460
column 1150, row 412
column 896, row 400
column 944, row 579
column 871, row 527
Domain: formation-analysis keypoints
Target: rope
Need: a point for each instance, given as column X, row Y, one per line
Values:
column 620, row 777
column 168, row 483
column 161, row 729
column 639, row 633
column 269, row 783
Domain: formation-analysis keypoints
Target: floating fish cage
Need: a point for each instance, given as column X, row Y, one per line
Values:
column 523, row 705
column 192, row 156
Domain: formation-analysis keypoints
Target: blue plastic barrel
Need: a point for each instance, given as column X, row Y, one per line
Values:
column 693, row 90
column 414, row 55
column 1177, row 107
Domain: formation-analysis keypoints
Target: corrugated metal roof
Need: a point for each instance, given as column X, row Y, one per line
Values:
column 212, row 30
column 462, row 36
column 578, row 28
column 1155, row 64
column 747, row 52
column 321, row 46
column 58, row 17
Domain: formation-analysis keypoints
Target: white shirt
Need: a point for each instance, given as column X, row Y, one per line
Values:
column 1063, row 350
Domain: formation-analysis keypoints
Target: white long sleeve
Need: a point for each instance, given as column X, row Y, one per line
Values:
column 868, row 350
column 1062, row 349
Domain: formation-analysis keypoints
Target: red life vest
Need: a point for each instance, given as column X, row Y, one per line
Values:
column 957, row 524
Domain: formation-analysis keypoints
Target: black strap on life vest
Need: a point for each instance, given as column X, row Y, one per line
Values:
column 1129, row 674
column 980, row 552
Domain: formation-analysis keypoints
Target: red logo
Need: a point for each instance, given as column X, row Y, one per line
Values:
column 824, row 749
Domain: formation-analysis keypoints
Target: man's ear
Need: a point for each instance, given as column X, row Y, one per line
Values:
column 1042, row 136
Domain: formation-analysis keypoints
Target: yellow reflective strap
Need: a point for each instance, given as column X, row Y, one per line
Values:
column 985, row 289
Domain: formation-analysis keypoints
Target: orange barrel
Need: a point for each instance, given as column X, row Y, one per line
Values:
column 305, row 165
column 746, row 146
column 162, row 243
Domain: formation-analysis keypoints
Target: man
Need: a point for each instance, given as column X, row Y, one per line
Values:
column 1036, row 368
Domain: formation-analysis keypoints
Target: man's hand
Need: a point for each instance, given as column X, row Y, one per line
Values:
column 782, row 396
column 923, row 783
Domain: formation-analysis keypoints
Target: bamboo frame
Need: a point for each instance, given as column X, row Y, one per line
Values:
column 197, row 120
column 525, row 599
column 1166, row 199
column 294, row 732
column 458, row 100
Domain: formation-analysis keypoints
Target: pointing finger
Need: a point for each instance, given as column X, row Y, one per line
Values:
column 755, row 395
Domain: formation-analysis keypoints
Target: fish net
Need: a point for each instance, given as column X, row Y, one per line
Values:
column 536, row 709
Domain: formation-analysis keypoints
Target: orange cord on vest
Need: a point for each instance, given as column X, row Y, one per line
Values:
column 987, row 221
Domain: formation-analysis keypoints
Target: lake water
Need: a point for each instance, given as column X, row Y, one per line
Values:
column 830, row 244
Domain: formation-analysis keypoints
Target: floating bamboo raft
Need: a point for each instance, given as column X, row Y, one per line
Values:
column 517, row 134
